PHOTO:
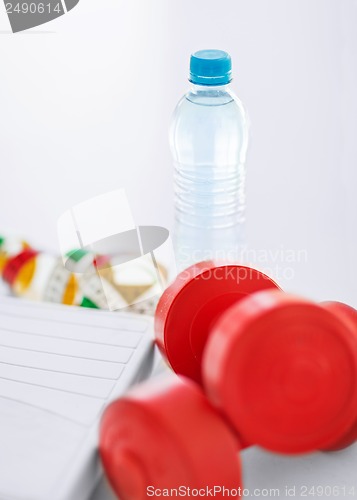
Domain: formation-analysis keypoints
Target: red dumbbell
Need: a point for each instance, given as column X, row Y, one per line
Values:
column 350, row 315
column 190, row 306
column 282, row 369
column 166, row 435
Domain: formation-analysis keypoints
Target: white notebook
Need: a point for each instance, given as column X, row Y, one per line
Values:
column 59, row 368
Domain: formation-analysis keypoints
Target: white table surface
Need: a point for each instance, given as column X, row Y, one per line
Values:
column 103, row 492
column 265, row 471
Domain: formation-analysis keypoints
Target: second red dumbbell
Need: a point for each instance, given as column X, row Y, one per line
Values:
column 165, row 435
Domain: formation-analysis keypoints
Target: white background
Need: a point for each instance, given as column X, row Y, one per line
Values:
column 85, row 104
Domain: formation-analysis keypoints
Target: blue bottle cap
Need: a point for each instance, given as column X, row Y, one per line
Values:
column 210, row 67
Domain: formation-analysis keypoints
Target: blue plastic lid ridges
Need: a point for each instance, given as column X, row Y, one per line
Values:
column 210, row 67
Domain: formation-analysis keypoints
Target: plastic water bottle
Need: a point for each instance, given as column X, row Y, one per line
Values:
column 209, row 138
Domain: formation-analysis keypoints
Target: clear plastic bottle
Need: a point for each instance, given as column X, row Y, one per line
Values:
column 209, row 138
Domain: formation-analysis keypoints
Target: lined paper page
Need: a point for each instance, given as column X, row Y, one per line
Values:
column 74, row 316
column 36, row 449
column 63, row 360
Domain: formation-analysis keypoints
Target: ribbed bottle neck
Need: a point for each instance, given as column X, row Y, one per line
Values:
column 200, row 89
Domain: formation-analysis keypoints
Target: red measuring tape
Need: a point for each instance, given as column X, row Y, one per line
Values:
column 14, row 264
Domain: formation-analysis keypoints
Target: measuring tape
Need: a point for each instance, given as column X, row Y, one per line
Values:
column 90, row 280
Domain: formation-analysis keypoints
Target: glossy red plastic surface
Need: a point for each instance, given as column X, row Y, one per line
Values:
column 189, row 308
column 284, row 371
column 348, row 314
column 163, row 435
